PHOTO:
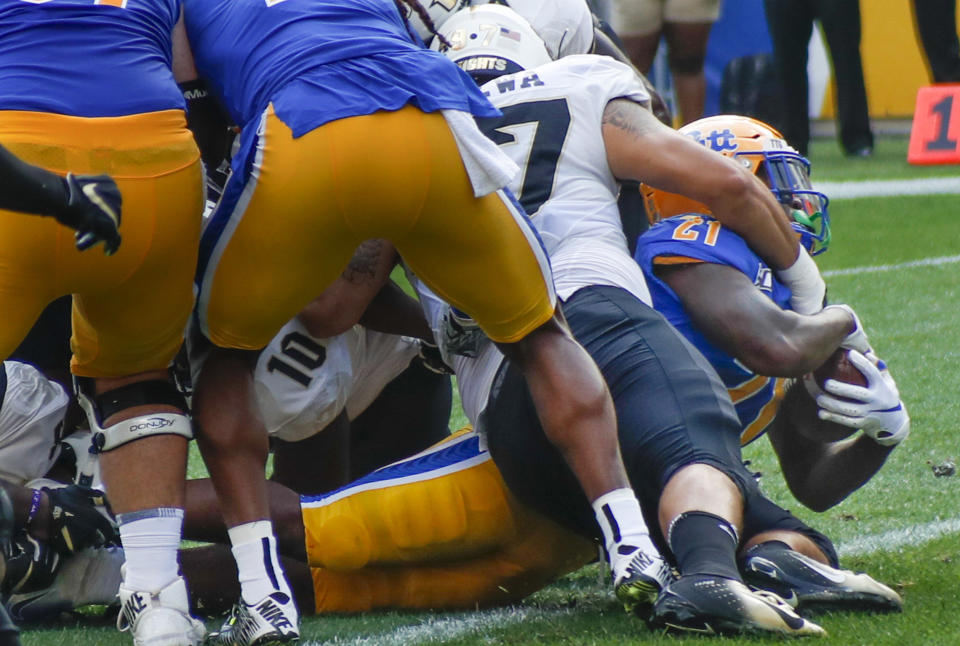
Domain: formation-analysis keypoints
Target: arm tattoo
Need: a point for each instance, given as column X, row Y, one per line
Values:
column 630, row 117
column 363, row 264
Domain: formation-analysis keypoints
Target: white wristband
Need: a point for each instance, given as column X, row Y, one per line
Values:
column 807, row 288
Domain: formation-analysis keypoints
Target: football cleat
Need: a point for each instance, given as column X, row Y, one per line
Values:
column 812, row 585
column 272, row 621
column 160, row 618
column 639, row 583
column 710, row 604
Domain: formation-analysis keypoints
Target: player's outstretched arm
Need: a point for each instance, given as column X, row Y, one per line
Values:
column 90, row 204
column 735, row 316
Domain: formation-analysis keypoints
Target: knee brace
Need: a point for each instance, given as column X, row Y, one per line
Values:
column 143, row 393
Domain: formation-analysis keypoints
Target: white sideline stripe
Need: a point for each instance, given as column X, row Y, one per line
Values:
column 890, row 187
column 897, row 538
column 432, row 631
column 926, row 262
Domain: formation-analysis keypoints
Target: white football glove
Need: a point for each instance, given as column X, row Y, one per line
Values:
column 876, row 408
column 856, row 340
column 807, row 289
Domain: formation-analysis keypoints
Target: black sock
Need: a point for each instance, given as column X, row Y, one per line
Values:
column 704, row 543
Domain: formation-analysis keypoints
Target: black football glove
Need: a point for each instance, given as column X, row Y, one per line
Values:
column 31, row 566
column 75, row 521
column 93, row 210
column 431, row 358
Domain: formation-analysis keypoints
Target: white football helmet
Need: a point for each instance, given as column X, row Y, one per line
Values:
column 566, row 26
column 439, row 11
column 491, row 40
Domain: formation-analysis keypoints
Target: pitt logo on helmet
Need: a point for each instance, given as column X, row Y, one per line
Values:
column 720, row 140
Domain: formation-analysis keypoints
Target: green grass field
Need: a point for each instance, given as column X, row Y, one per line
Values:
column 903, row 527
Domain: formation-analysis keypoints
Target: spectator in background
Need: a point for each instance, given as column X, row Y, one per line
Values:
column 936, row 22
column 791, row 25
column 686, row 25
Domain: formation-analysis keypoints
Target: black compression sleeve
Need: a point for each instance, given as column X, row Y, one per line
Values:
column 208, row 122
column 28, row 188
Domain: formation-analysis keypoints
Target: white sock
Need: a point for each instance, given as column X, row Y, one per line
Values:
column 258, row 564
column 624, row 530
column 150, row 538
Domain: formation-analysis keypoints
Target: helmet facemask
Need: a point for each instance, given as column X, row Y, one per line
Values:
column 787, row 174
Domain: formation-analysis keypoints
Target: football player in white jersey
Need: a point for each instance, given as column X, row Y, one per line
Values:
column 576, row 126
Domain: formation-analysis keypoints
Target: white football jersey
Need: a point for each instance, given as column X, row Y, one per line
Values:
column 30, row 415
column 551, row 127
column 303, row 382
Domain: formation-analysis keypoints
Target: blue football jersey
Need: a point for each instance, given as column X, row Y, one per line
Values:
column 88, row 58
column 320, row 60
column 701, row 238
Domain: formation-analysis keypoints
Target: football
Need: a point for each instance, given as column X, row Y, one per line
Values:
column 839, row 367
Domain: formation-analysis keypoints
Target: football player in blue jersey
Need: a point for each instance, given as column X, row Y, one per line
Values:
column 714, row 289
column 88, row 87
column 332, row 96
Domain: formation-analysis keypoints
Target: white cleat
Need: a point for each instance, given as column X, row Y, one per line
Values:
column 272, row 621
column 160, row 618
column 639, row 583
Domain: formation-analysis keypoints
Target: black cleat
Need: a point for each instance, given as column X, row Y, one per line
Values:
column 810, row 585
column 709, row 604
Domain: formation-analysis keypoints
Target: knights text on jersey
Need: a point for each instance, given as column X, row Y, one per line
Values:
column 701, row 238
column 88, row 58
column 320, row 60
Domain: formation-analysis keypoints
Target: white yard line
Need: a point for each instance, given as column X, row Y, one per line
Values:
column 883, row 188
column 925, row 262
column 432, row 631
column 897, row 538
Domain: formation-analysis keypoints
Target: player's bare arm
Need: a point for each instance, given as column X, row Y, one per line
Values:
column 641, row 148
column 729, row 309
column 343, row 303
column 820, row 474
